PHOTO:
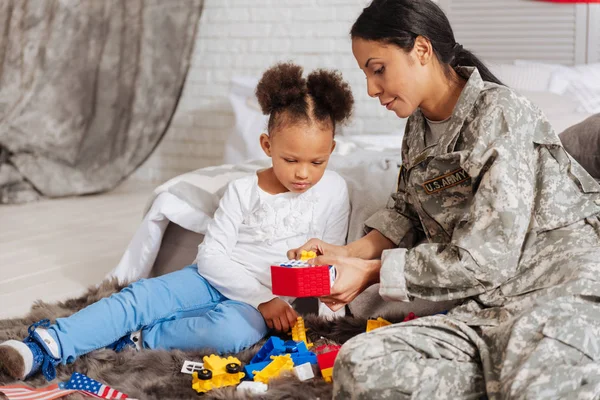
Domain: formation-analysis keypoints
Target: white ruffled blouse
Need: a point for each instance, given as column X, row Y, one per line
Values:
column 253, row 230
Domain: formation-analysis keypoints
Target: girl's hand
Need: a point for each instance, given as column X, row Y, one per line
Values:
column 320, row 247
column 278, row 314
column 354, row 275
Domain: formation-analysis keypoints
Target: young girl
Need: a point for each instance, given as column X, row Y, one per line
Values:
column 224, row 301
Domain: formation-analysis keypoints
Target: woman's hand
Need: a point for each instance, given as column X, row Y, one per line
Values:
column 353, row 276
column 320, row 247
column 278, row 314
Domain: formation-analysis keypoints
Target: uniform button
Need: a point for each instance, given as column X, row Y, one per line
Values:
column 597, row 202
column 47, row 341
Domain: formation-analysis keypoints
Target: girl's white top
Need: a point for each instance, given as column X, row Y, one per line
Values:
column 253, row 230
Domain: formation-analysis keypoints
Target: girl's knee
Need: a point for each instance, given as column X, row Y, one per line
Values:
column 241, row 326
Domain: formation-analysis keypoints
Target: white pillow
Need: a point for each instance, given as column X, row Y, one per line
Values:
column 243, row 142
column 582, row 82
column 530, row 77
column 587, row 94
column 561, row 110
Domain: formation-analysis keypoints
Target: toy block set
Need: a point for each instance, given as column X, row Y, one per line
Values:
column 274, row 358
column 297, row 278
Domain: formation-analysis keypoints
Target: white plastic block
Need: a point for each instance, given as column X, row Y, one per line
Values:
column 304, row 372
column 190, row 366
column 252, row 387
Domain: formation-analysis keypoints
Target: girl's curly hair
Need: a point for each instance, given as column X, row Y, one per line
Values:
column 288, row 97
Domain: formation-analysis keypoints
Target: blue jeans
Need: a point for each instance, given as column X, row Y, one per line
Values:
column 180, row 310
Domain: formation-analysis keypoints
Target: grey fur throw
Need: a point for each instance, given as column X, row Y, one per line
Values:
column 154, row 374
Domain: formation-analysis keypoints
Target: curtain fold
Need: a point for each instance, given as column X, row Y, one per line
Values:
column 87, row 90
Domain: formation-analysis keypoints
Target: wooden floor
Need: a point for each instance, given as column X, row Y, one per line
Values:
column 55, row 249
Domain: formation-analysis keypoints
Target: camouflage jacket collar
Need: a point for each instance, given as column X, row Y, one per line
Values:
column 417, row 152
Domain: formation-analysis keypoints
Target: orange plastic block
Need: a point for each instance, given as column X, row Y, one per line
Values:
column 327, row 374
column 376, row 323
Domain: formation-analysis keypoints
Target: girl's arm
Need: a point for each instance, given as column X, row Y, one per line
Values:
column 214, row 254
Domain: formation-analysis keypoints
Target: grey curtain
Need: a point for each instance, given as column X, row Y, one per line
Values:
column 87, row 90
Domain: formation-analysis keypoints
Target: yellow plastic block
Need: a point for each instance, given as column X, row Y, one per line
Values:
column 221, row 377
column 307, row 255
column 274, row 369
column 327, row 374
column 299, row 333
column 376, row 323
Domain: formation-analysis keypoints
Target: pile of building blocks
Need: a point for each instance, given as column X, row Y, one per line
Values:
column 275, row 346
column 217, row 372
column 274, row 357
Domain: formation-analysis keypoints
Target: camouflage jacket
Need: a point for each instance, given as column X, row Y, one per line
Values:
column 472, row 213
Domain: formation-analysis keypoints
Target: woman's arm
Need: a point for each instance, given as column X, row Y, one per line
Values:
column 370, row 246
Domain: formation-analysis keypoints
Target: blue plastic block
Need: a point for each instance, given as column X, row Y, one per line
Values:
column 255, row 367
column 303, row 358
column 272, row 347
column 301, row 347
column 291, row 346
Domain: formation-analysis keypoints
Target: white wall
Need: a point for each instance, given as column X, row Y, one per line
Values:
column 244, row 37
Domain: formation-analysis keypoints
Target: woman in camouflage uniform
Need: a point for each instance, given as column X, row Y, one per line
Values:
column 490, row 211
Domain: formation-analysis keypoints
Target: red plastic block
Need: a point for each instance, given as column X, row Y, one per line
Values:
column 326, row 360
column 301, row 282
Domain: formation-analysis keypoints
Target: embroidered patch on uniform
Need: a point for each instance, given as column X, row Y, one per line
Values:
column 446, row 181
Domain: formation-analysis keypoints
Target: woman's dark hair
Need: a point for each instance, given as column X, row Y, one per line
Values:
column 400, row 22
column 288, row 97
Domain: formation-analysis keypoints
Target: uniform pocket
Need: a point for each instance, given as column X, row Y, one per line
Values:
column 444, row 189
column 576, row 172
column 578, row 332
column 565, row 192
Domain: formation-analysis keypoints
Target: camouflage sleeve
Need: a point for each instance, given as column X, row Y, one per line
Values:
column 399, row 218
column 485, row 246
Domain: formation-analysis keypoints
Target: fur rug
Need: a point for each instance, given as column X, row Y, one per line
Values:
column 156, row 374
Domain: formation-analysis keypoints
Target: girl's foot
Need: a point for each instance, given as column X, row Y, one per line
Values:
column 39, row 351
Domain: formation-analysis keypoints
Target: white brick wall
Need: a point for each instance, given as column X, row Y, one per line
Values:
column 244, row 37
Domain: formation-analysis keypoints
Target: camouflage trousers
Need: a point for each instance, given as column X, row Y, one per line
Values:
column 549, row 351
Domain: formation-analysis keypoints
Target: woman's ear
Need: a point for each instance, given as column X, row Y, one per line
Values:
column 423, row 50
column 265, row 143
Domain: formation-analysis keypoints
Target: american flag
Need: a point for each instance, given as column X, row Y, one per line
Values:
column 78, row 383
